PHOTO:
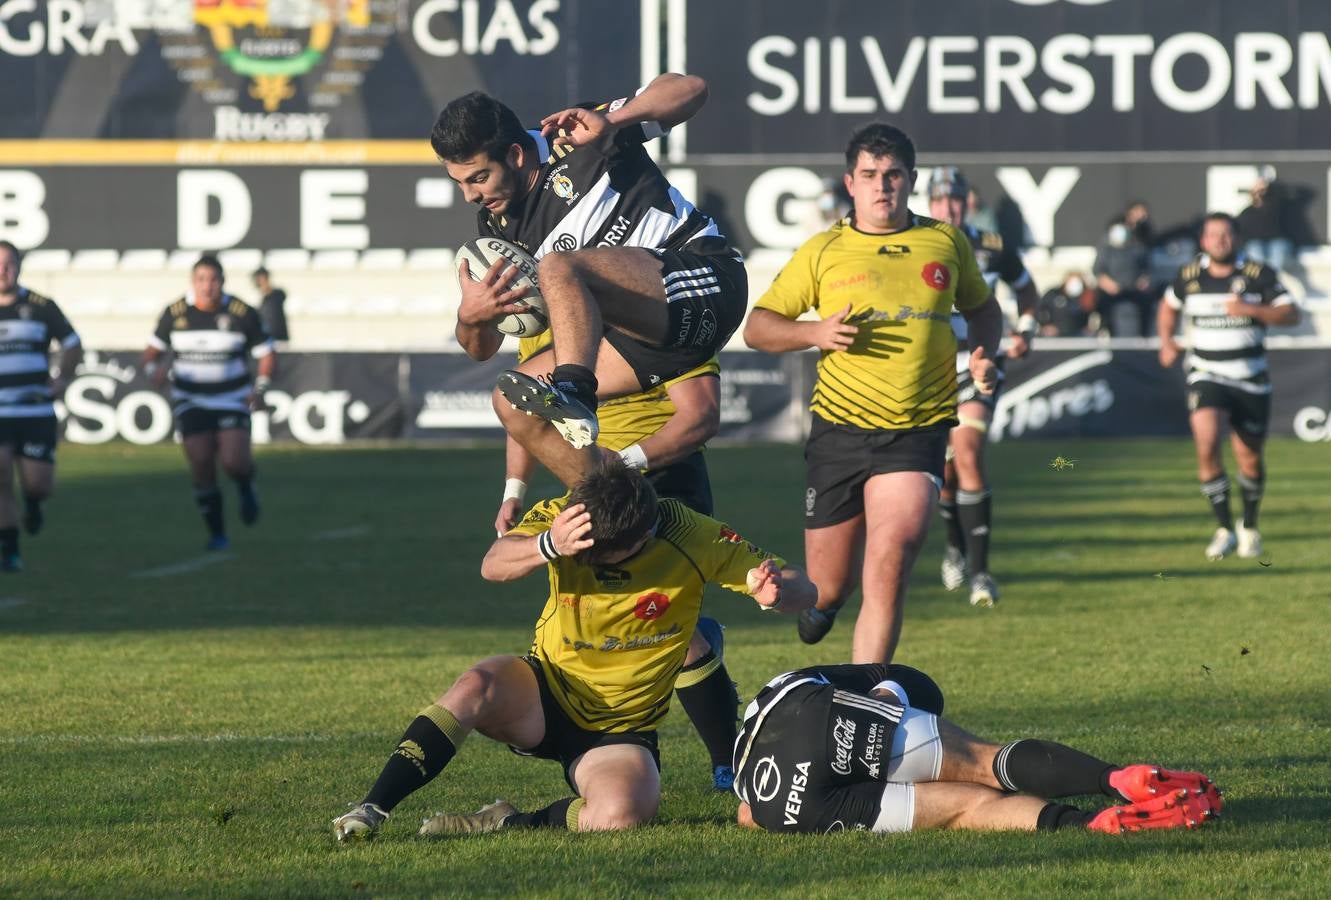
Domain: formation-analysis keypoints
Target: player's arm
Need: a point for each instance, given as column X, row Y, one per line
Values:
column 70, row 352
column 265, row 357
column 1166, row 321
column 484, row 302
column 1284, row 314
column 1028, row 298
column 153, row 363
column 668, row 99
column 516, row 555
column 773, row 332
column 518, row 466
column 697, row 419
column 984, row 325
column 781, row 588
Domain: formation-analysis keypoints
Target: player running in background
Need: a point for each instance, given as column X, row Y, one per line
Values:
column 1229, row 303
column 661, row 432
column 626, row 577
column 29, row 324
column 211, row 335
column 966, row 501
column 865, row 748
column 884, row 283
column 640, row 286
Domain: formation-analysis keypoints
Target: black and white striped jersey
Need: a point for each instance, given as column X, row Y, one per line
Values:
column 997, row 262
column 1228, row 350
column 27, row 328
column 210, row 369
column 598, row 197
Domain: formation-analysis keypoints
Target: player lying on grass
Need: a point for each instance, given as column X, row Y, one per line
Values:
column 864, row 747
column 626, row 582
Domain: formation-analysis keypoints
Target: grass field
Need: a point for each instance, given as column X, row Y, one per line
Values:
column 194, row 732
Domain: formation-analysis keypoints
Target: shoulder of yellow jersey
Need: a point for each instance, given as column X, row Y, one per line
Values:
column 954, row 234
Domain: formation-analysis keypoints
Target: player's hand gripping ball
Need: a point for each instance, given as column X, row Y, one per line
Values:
column 481, row 254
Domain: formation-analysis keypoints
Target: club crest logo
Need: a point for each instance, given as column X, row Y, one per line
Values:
column 936, row 275
column 563, row 187
column 274, row 54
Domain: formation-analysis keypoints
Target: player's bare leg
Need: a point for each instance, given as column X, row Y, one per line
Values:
column 943, row 804
column 833, row 558
column 898, row 507
column 236, row 456
column 973, row 504
column 201, row 454
column 37, row 480
column 10, row 560
column 537, row 435
column 620, row 785
column 1206, row 428
column 1252, row 485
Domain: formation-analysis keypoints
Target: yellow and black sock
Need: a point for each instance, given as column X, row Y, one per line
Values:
column 560, row 814
column 428, row 744
column 708, row 696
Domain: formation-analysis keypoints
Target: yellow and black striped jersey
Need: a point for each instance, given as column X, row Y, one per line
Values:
column 611, row 639
column 901, row 287
column 631, row 419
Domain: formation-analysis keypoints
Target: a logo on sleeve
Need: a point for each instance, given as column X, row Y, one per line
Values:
column 936, row 275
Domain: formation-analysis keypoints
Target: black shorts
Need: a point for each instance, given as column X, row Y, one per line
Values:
column 564, row 741
column 686, row 481
column 31, row 437
column 1248, row 412
column 820, row 761
column 196, row 420
column 967, row 392
column 841, row 458
column 707, row 294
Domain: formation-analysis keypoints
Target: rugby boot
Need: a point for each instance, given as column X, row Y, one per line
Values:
column 360, row 824
column 487, row 818
column 1144, row 782
column 1222, row 544
column 815, row 623
column 563, row 405
column 1250, row 542
column 1178, row 809
column 984, row 590
column 954, row 569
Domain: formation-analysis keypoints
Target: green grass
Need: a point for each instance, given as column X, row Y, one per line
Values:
column 195, row 733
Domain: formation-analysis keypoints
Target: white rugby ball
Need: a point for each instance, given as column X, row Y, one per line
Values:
column 481, row 254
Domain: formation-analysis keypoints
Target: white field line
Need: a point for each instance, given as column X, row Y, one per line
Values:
column 341, row 534
column 189, row 565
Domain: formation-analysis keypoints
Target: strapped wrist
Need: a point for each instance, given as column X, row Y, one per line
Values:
column 634, row 457
column 514, row 489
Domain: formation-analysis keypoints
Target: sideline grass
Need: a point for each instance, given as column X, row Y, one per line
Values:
column 195, row 732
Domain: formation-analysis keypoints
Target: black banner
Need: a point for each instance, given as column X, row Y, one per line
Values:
column 331, row 398
column 1013, row 76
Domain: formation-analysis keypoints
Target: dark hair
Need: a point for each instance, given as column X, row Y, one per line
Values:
column 209, row 261
column 477, row 123
column 622, row 505
column 18, row 255
column 880, row 139
column 260, row 271
column 1229, row 220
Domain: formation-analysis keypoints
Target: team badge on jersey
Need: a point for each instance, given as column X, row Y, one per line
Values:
column 1238, row 285
column 651, row 606
column 936, row 275
column 223, row 322
column 25, row 312
column 180, row 322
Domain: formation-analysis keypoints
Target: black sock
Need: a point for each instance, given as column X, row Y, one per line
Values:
column 1217, row 492
column 947, row 510
column 1047, row 769
column 973, row 512
column 429, row 742
column 1252, row 490
column 708, row 696
column 210, row 506
column 9, row 541
column 32, row 506
column 582, row 378
column 1056, row 815
column 560, row 814
column 245, row 483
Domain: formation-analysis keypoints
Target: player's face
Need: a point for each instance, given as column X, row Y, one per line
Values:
column 879, row 188
column 1218, row 241
column 207, row 285
column 951, row 210
column 491, row 183
column 8, row 271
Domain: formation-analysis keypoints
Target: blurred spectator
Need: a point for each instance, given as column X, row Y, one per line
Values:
column 1138, row 219
column 829, row 207
column 1123, row 282
column 1266, row 226
column 272, row 308
column 978, row 214
column 1065, row 311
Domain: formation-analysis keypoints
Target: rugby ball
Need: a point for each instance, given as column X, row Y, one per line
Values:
column 481, row 254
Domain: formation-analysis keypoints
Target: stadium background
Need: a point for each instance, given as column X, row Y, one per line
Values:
column 143, row 132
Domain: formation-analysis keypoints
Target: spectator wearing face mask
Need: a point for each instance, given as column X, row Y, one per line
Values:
column 1123, row 282
column 1065, row 311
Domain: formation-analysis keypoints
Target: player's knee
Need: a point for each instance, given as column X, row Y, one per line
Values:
column 618, row 812
column 476, row 685
column 556, row 267
column 698, row 648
